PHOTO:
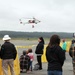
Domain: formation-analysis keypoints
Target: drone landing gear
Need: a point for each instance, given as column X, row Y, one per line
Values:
column 32, row 26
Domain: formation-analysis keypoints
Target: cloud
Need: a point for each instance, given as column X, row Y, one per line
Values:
column 55, row 15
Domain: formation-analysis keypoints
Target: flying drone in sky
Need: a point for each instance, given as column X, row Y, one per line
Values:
column 31, row 21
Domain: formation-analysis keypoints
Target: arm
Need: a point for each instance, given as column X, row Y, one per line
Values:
column 70, row 51
column 2, row 51
column 47, row 54
column 14, row 52
column 61, row 55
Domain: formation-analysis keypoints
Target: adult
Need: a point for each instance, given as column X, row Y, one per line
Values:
column 55, row 56
column 39, row 51
column 8, row 55
column 64, row 45
column 72, row 54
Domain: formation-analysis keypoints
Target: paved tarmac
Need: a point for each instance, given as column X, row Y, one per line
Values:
column 67, row 68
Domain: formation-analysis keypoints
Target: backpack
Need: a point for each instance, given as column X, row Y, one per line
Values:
column 36, row 66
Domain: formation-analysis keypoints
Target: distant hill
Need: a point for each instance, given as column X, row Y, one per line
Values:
column 15, row 34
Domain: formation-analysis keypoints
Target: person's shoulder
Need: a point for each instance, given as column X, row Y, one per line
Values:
column 32, row 53
column 27, row 55
column 65, row 42
column 21, row 56
column 47, row 47
column 2, row 44
column 40, row 43
column 12, row 43
column 59, row 48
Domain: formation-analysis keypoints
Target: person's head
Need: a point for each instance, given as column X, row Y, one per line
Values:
column 73, row 35
column 54, row 40
column 73, row 41
column 30, row 50
column 63, row 40
column 40, row 39
column 24, row 52
column 6, row 38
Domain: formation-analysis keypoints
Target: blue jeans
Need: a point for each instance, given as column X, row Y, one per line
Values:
column 55, row 72
column 30, row 65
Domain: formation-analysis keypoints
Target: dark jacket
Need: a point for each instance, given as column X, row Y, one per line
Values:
column 72, row 52
column 55, row 57
column 24, row 61
column 8, row 51
column 39, row 48
column 0, row 53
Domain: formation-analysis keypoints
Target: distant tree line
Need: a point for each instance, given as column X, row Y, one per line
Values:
column 15, row 34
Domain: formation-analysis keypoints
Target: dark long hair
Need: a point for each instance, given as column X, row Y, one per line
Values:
column 54, row 40
column 42, row 40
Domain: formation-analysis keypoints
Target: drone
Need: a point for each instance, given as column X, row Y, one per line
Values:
column 31, row 21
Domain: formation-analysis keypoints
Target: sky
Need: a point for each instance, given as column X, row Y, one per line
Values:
column 55, row 15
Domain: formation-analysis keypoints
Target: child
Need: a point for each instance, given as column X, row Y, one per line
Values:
column 31, row 55
column 24, row 62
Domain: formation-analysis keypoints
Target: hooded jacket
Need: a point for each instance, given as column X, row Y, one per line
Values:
column 8, row 51
column 55, row 57
column 39, row 48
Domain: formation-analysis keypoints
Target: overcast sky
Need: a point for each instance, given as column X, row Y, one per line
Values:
column 55, row 15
